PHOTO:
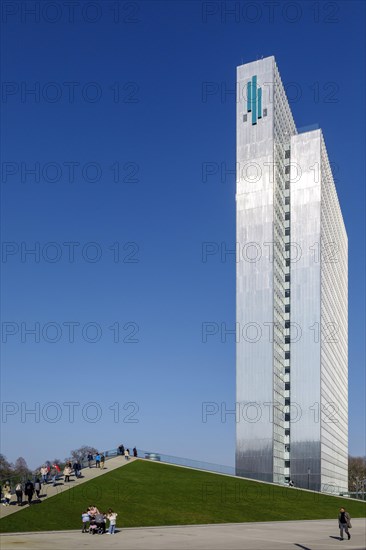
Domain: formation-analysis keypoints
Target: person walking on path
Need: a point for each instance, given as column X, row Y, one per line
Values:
column 19, row 494
column 97, row 460
column 58, row 469
column 37, row 488
column 134, row 451
column 53, row 474
column 90, row 460
column 127, row 454
column 7, row 493
column 67, row 473
column 75, row 467
column 29, row 490
column 44, row 473
column 102, row 461
column 344, row 522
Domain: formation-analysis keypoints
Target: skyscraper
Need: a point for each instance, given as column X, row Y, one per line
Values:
column 292, row 269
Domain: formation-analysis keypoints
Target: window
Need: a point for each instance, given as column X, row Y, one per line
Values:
column 287, row 448
column 287, row 154
column 287, row 463
column 287, row 278
column 287, row 200
column 287, row 215
column 245, row 118
column 287, row 247
column 287, row 386
column 264, row 112
column 287, row 341
column 287, row 262
column 287, row 169
column 287, row 370
column 287, row 401
column 287, row 308
column 287, row 293
column 287, row 324
column 287, row 353
column 287, row 185
column 287, row 431
column 287, row 231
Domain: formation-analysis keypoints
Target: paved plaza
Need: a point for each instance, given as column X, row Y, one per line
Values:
column 295, row 535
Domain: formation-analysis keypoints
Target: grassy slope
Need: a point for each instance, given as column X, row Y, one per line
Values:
column 145, row 493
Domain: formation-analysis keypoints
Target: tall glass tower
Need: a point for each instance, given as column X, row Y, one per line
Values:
column 292, row 286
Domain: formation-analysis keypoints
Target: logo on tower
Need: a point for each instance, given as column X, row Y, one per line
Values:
column 254, row 99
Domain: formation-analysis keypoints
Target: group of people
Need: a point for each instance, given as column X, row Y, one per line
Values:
column 126, row 452
column 99, row 460
column 50, row 473
column 95, row 521
column 69, row 468
column 29, row 489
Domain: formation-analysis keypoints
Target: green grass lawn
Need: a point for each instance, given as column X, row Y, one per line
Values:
column 145, row 493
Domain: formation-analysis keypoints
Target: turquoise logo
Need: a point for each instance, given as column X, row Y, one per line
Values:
column 254, row 99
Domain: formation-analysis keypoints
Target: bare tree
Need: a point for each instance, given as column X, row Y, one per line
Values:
column 82, row 453
column 21, row 467
column 356, row 472
column 6, row 467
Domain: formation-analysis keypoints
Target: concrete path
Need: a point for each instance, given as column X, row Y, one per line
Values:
column 50, row 491
column 295, row 535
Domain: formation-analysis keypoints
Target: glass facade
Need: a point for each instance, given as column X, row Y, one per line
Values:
column 292, row 379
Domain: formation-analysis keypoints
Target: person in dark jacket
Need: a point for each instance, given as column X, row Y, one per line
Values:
column 90, row 460
column 37, row 488
column 29, row 490
column 19, row 494
column 134, row 450
column 344, row 523
column 75, row 467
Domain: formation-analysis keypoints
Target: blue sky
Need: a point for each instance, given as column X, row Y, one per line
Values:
column 126, row 110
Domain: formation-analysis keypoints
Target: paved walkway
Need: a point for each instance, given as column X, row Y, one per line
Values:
column 50, row 491
column 295, row 535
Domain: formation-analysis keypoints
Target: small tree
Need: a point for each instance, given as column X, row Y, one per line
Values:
column 356, row 472
column 6, row 468
column 82, row 453
column 21, row 467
